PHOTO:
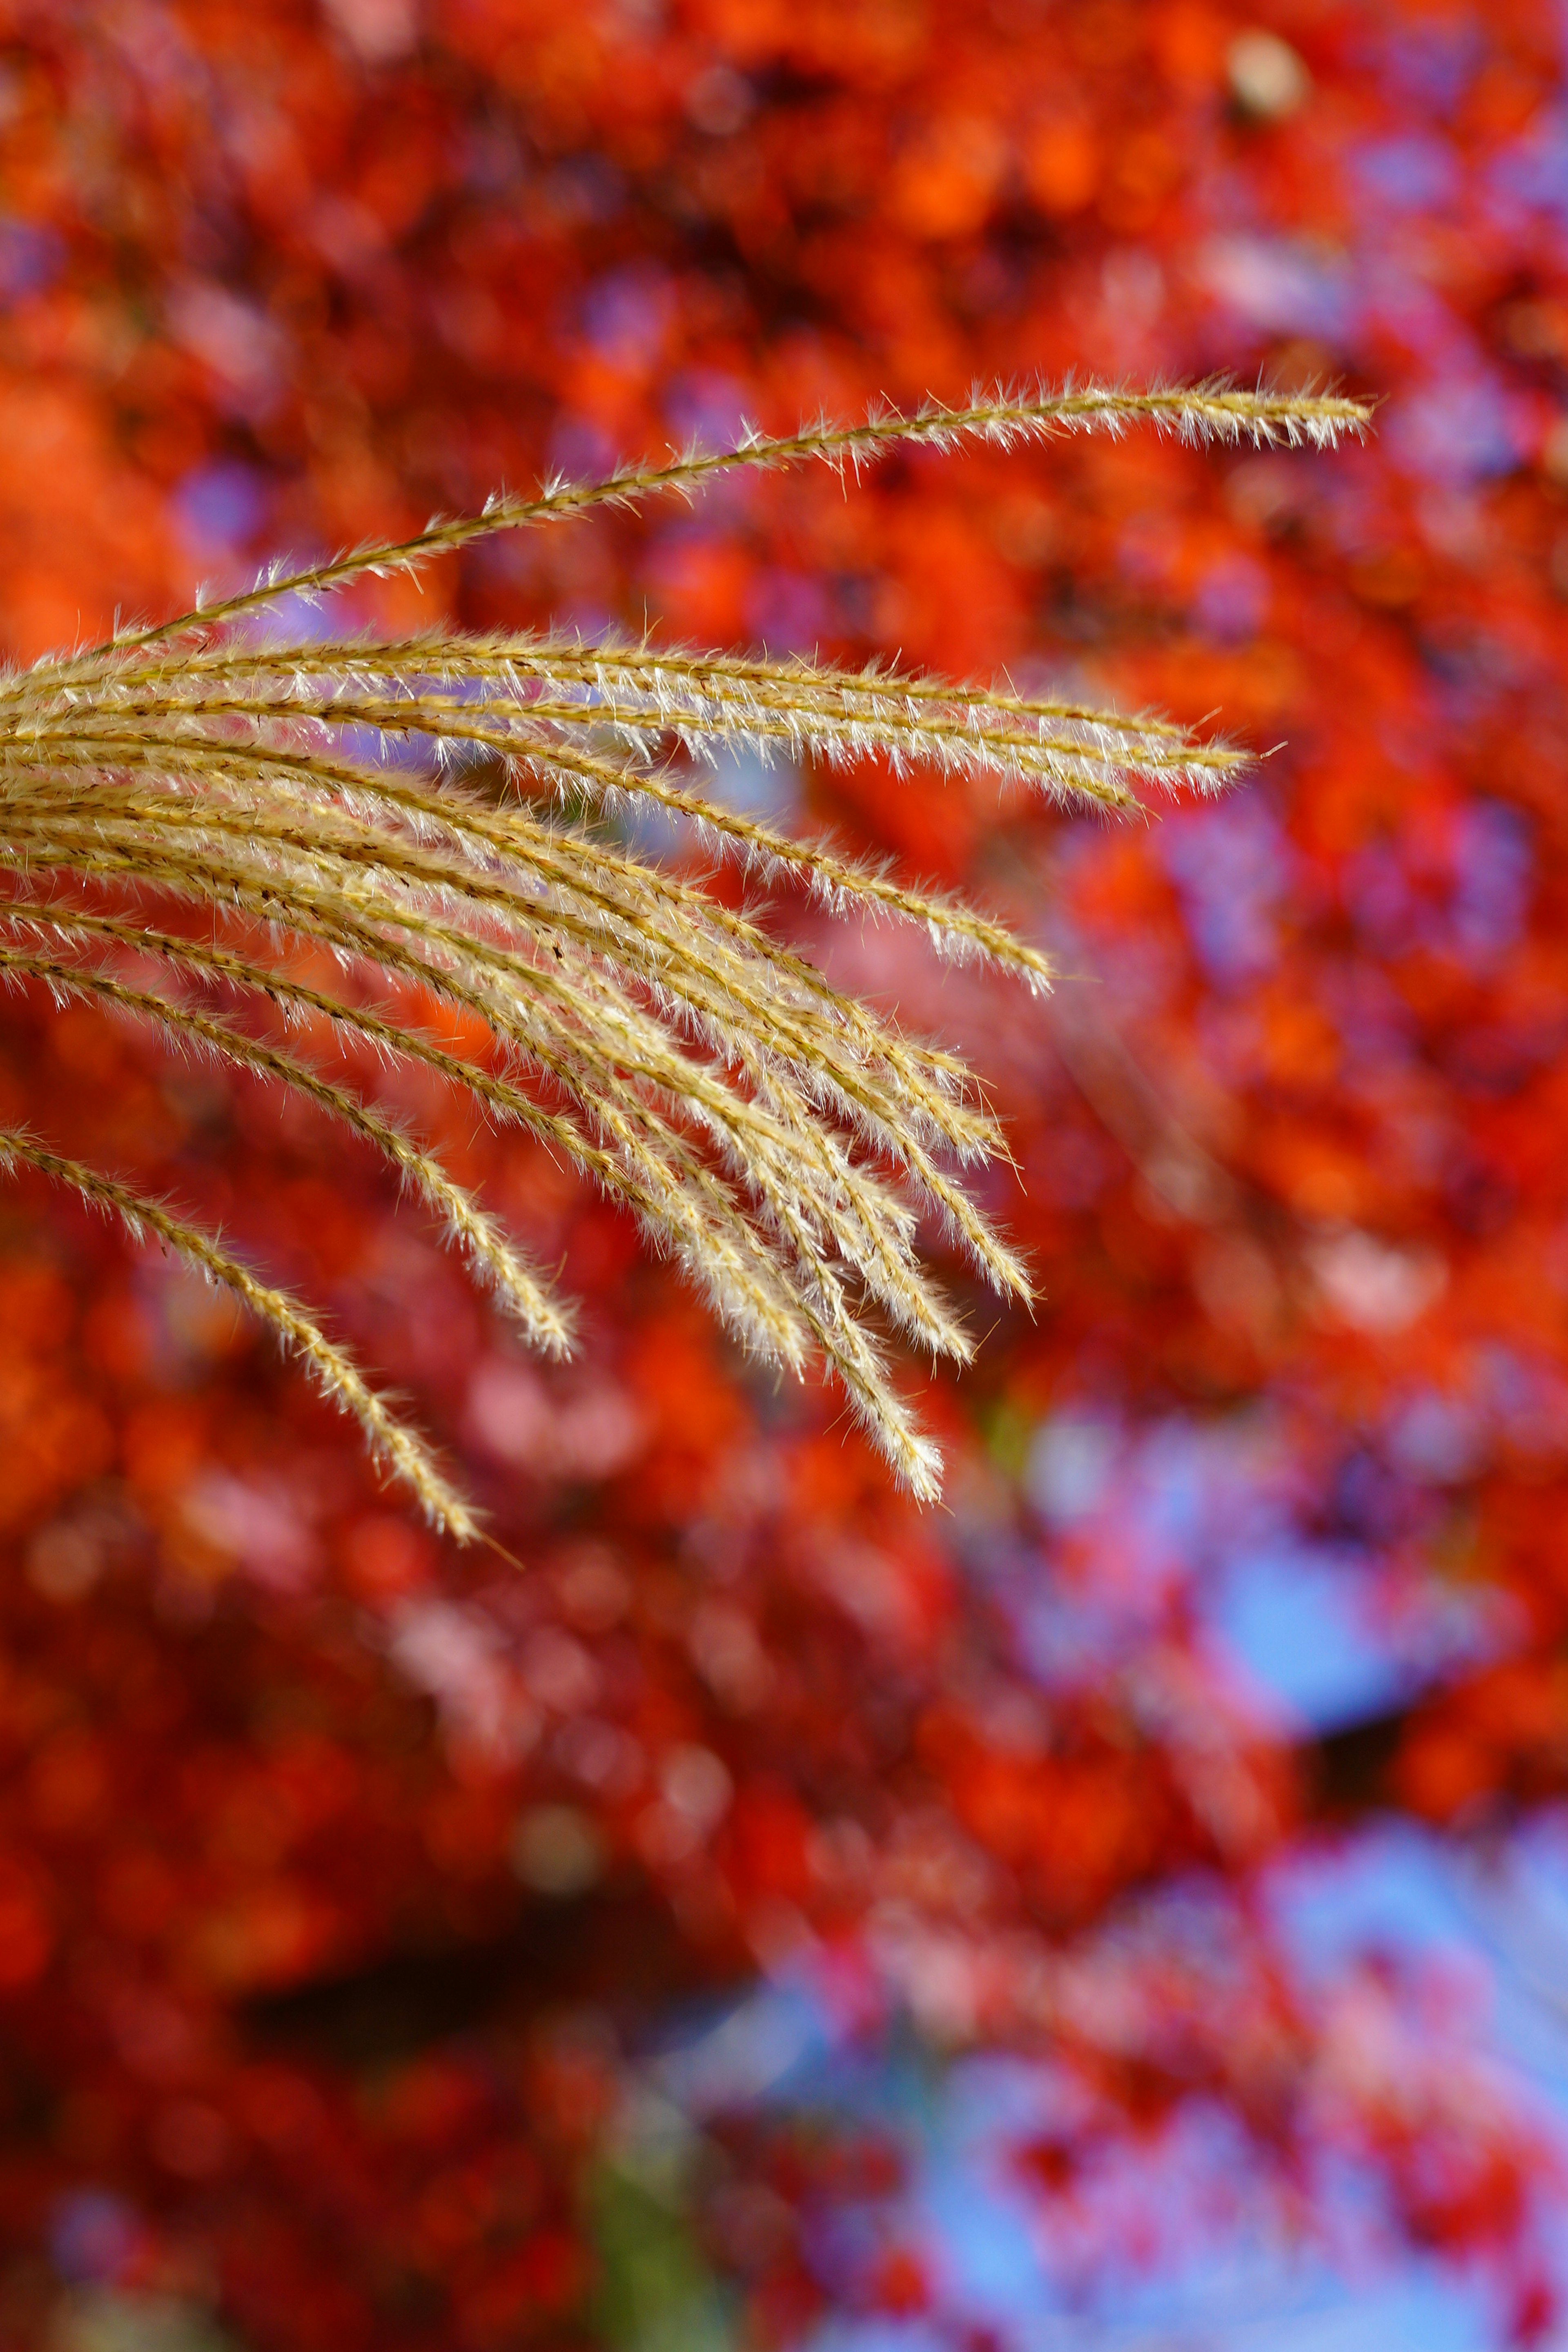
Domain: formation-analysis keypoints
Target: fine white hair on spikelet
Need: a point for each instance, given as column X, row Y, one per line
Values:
column 776, row 1138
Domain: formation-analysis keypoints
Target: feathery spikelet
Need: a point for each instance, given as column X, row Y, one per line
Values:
column 400, row 1449
column 776, row 1137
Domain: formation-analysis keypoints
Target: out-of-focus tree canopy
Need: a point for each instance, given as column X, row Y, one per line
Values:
column 347, row 1885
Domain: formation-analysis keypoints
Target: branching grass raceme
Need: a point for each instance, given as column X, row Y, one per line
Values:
column 774, row 1136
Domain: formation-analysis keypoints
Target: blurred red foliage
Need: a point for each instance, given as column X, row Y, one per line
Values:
column 341, row 1878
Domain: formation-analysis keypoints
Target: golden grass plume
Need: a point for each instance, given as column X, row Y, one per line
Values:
column 776, row 1137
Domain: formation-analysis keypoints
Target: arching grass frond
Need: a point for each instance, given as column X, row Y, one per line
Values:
column 437, row 813
column 399, row 1449
column 1198, row 413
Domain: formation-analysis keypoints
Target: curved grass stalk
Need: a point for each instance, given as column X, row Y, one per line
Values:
column 399, row 1449
column 1084, row 764
column 839, row 883
column 1208, row 411
column 650, row 697
column 307, row 672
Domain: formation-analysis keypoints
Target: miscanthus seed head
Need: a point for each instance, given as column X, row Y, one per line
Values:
column 777, row 1139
